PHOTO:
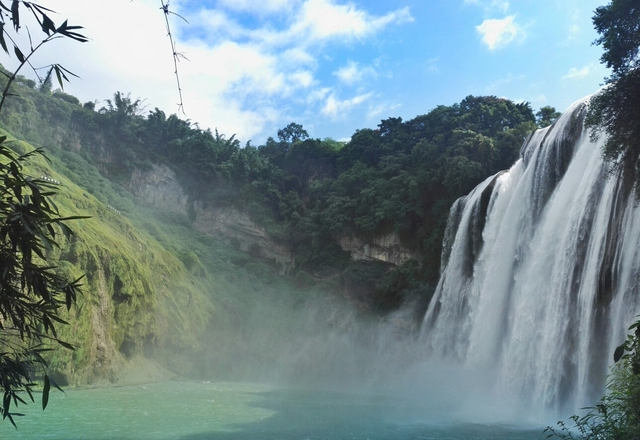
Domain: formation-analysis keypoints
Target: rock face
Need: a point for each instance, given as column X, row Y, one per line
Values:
column 159, row 188
column 233, row 226
column 104, row 357
column 385, row 248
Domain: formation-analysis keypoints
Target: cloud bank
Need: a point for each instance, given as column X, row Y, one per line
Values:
column 251, row 65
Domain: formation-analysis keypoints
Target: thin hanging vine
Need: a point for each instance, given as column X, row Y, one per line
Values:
column 177, row 56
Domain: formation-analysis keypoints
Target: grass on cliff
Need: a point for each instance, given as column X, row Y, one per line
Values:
column 153, row 285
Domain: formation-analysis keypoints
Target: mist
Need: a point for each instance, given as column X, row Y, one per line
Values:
column 319, row 342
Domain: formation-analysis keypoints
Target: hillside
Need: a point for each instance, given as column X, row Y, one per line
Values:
column 191, row 234
column 153, row 285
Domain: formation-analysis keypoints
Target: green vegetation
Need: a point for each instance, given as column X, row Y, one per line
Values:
column 616, row 109
column 31, row 292
column 157, row 289
column 400, row 178
column 617, row 415
column 546, row 116
column 154, row 287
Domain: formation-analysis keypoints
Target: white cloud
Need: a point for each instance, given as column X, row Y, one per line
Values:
column 540, row 99
column 502, row 6
column 302, row 78
column 318, row 95
column 334, row 107
column 499, row 33
column 492, row 6
column 432, row 65
column 574, row 30
column 241, row 78
column 243, row 67
column 216, row 22
column 579, row 73
column 135, row 58
column 296, row 56
column 264, row 65
column 260, row 7
column 323, row 19
column 352, row 73
column 378, row 110
column 310, row 22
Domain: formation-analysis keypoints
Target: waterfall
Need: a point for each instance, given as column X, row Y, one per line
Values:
column 540, row 269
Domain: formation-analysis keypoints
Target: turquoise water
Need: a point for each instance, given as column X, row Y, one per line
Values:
column 236, row 411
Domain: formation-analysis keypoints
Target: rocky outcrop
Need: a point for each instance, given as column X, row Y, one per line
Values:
column 385, row 248
column 103, row 355
column 233, row 226
column 159, row 188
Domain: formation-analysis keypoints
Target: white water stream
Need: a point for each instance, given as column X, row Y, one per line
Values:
column 540, row 275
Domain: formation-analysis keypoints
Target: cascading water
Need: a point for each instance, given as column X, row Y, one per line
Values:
column 541, row 267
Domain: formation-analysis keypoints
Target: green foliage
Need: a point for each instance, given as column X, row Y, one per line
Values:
column 617, row 24
column 308, row 193
column 141, row 292
column 66, row 97
column 381, row 287
column 32, row 293
column 292, row 133
column 616, row 109
column 50, row 32
column 546, row 116
column 617, row 414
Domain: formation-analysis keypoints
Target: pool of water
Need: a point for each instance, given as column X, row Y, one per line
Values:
column 237, row 411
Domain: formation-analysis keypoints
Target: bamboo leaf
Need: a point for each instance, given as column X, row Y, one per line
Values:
column 45, row 392
column 3, row 43
column 618, row 353
column 19, row 54
column 15, row 14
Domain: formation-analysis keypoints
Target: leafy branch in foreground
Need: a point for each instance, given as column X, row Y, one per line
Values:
column 177, row 56
column 617, row 414
column 48, row 28
column 31, row 293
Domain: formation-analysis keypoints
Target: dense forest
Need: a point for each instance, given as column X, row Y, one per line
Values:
column 400, row 178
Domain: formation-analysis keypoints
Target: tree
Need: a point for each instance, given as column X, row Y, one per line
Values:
column 546, row 116
column 292, row 133
column 618, row 24
column 31, row 293
column 615, row 110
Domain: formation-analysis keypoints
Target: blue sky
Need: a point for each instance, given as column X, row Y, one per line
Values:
column 332, row 65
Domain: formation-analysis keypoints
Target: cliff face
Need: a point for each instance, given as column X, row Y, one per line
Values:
column 235, row 227
column 131, row 288
column 386, row 248
column 159, row 188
